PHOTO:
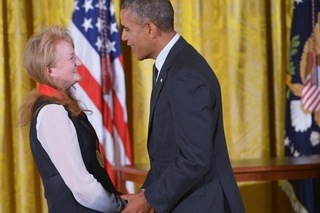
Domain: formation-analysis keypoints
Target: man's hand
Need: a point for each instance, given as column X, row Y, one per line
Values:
column 137, row 203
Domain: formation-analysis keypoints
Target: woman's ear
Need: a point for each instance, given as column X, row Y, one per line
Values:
column 49, row 71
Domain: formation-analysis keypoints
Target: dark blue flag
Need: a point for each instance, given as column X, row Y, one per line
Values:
column 303, row 100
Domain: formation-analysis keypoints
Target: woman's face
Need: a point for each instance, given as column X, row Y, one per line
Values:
column 65, row 66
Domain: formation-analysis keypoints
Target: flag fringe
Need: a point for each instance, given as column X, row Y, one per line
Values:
column 295, row 203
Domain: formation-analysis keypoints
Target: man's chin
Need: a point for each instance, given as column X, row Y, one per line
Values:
column 139, row 58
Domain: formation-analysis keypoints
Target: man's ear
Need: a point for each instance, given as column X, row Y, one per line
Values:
column 153, row 29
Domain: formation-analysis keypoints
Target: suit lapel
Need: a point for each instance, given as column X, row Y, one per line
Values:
column 177, row 47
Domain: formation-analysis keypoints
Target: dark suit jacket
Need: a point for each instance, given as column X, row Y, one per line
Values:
column 190, row 170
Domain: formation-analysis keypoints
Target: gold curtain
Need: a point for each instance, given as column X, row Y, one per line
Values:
column 246, row 44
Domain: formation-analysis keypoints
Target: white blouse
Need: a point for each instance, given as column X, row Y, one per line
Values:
column 58, row 137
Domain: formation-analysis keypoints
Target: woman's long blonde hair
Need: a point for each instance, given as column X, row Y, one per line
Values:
column 39, row 54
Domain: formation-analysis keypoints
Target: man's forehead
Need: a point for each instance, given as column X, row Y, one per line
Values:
column 128, row 18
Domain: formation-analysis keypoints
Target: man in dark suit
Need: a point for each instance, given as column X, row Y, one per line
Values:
column 190, row 170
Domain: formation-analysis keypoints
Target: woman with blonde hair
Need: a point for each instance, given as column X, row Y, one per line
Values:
column 64, row 144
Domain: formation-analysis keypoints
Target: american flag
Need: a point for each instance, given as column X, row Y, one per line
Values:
column 102, row 88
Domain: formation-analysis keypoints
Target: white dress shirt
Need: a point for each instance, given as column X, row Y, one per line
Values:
column 58, row 137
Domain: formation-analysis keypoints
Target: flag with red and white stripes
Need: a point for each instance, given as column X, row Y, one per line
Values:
column 102, row 88
column 310, row 95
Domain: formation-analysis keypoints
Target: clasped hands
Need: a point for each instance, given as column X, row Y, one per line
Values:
column 137, row 203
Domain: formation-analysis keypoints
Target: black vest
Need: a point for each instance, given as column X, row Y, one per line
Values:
column 59, row 197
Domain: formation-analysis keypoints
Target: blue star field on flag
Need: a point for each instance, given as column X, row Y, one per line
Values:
column 86, row 17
